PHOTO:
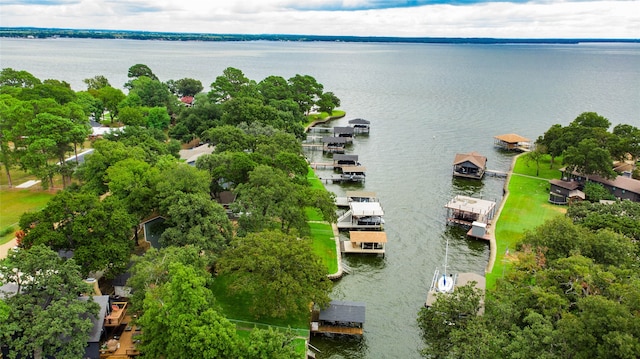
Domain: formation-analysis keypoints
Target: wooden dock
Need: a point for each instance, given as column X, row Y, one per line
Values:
column 328, row 329
column 495, row 173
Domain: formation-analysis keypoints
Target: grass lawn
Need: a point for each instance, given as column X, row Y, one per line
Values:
column 526, row 208
column 235, row 307
column 323, row 115
column 13, row 203
column 322, row 236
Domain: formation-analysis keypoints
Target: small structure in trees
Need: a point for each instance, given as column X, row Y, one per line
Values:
column 363, row 242
column 512, row 142
column 469, row 165
column 340, row 317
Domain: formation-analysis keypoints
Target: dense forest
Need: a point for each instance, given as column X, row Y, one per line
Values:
column 259, row 248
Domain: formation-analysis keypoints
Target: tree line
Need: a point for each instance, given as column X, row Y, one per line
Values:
column 135, row 173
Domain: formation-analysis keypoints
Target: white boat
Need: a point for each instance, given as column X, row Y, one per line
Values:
column 441, row 282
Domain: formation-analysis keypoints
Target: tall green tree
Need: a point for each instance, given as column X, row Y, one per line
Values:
column 139, row 70
column 98, row 232
column 179, row 321
column 279, row 272
column 306, row 91
column 589, row 158
column 18, row 78
column 45, row 317
column 97, row 82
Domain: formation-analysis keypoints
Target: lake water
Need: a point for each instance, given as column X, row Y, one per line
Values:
column 426, row 103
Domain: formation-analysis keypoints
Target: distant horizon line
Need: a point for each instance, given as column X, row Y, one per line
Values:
column 46, row 32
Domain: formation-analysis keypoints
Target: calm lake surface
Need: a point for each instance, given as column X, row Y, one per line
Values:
column 426, row 103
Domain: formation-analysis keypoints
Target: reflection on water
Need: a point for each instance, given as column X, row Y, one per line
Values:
column 466, row 186
column 341, row 346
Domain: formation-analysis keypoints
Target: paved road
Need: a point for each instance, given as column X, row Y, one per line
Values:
column 5, row 248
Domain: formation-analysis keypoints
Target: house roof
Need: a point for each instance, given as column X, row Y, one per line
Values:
column 343, row 311
column 98, row 322
column 512, row 138
column 359, row 121
column 343, row 130
column 473, row 157
column 191, row 155
column 340, row 140
column 348, row 169
column 368, row 236
column 188, row 100
column 570, row 185
column 226, row 197
column 338, row 157
column 622, row 182
column 366, row 208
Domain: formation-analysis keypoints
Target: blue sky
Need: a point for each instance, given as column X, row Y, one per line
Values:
column 408, row 18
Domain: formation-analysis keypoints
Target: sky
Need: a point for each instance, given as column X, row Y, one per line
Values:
column 408, row 18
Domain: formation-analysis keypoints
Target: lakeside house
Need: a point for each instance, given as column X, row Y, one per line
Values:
column 621, row 187
column 565, row 192
column 513, row 142
column 469, row 165
column 190, row 156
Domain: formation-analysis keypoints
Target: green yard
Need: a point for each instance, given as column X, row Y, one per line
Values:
column 13, row 203
column 526, row 208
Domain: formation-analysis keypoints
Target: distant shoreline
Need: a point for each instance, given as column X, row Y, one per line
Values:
column 44, row 33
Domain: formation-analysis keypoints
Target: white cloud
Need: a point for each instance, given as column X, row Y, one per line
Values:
column 597, row 19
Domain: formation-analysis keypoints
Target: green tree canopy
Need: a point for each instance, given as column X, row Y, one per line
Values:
column 98, row 232
column 279, row 272
column 45, row 317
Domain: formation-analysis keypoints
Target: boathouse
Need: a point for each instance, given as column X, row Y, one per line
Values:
column 465, row 210
column 362, row 216
column 565, row 192
column 363, row 242
column 360, row 125
column 356, row 196
column 340, row 317
column 334, row 144
column 353, row 173
column 340, row 160
column 346, row 132
column 512, row 142
column 469, row 165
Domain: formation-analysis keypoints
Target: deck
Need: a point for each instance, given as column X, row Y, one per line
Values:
column 117, row 315
column 126, row 340
column 330, row 329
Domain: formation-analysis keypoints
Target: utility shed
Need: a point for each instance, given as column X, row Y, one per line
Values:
column 340, row 317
